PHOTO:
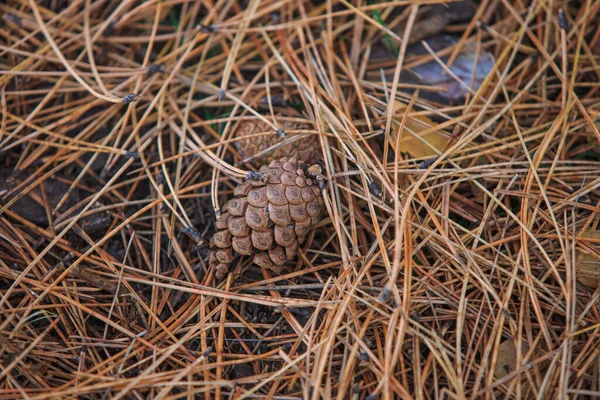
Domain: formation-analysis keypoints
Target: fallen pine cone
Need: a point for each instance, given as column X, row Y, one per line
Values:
column 305, row 150
column 269, row 216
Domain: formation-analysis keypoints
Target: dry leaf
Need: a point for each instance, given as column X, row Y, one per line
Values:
column 506, row 364
column 447, row 84
column 418, row 130
column 588, row 265
column 469, row 70
column 507, row 359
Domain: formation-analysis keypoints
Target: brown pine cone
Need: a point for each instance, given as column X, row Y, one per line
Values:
column 305, row 150
column 269, row 216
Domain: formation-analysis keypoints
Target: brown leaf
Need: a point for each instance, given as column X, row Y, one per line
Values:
column 507, row 359
column 588, row 265
column 419, row 136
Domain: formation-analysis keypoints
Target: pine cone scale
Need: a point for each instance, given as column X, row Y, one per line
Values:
column 257, row 197
column 242, row 245
column 238, row 227
column 298, row 212
column 237, row 207
column 257, row 218
column 262, row 240
column 276, row 194
column 284, row 236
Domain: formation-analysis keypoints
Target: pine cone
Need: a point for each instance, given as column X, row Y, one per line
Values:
column 268, row 216
column 305, row 150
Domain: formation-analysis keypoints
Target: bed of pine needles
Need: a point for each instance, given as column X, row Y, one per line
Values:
column 470, row 274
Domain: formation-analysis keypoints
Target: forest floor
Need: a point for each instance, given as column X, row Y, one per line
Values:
column 458, row 251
